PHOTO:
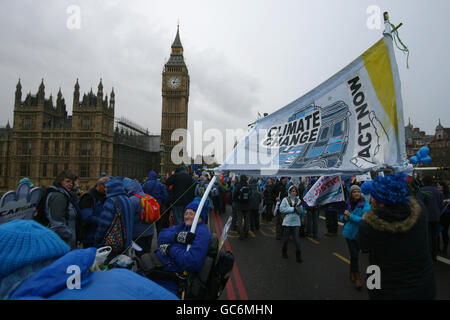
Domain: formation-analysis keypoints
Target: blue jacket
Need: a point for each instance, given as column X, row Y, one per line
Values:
column 351, row 226
column 179, row 259
column 292, row 218
column 139, row 228
column 50, row 282
column 155, row 188
column 115, row 191
column 91, row 206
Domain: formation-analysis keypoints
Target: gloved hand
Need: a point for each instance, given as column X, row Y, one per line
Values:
column 184, row 237
column 298, row 210
column 164, row 248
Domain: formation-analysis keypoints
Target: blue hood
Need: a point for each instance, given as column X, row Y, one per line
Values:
column 134, row 187
column 118, row 284
column 152, row 175
column 115, row 187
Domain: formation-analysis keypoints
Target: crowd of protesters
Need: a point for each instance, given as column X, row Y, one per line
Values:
column 398, row 220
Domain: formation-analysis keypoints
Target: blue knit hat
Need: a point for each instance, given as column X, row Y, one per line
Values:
column 27, row 181
column 194, row 206
column 24, row 242
column 126, row 183
column 390, row 189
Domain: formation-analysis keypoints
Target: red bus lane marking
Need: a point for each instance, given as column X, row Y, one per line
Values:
column 237, row 275
column 229, row 286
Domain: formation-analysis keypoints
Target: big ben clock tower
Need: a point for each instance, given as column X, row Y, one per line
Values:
column 175, row 98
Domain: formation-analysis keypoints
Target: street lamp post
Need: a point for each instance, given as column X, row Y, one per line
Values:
column 161, row 156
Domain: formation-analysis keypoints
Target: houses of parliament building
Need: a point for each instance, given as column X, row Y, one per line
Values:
column 44, row 140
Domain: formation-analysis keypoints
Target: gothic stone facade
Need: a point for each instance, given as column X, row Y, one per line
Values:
column 44, row 140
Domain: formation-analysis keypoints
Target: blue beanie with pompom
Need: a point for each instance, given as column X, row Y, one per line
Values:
column 390, row 189
column 24, row 242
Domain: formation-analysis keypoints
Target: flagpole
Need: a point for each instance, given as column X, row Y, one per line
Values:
column 401, row 146
column 200, row 207
column 387, row 25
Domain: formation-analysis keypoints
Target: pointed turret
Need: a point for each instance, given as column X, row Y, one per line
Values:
column 100, row 89
column 76, row 95
column 112, row 99
column 177, row 42
column 18, row 94
column 41, row 93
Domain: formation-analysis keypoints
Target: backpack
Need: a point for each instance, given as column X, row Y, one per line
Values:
column 244, row 194
column 215, row 191
column 201, row 188
column 40, row 215
column 115, row 236
column 210, row 281
column 150, row 209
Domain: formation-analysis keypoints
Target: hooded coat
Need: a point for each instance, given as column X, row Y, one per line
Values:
column 397, row 242
column 140, row 229
column 155, row 188
column 179, row 259
column 115, row 191
column 292, row 217
column 351, row 226
column 181, row 182
column 49, row 281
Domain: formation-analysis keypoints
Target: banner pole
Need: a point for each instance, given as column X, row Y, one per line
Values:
column 200, row 207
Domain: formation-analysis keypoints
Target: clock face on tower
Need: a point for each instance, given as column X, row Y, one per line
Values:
column 174, row 82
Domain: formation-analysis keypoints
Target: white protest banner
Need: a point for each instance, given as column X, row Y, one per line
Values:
column 327, row 189
column 350, row 124
column 363, row 177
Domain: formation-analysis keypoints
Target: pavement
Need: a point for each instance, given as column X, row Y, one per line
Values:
column 261, row 274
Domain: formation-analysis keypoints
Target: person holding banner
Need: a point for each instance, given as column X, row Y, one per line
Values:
column 174, row 241
column 357, row 206
column 395, row 235
column 291, row 207
column 312, row 215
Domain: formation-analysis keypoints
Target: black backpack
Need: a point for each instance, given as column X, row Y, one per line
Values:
column 201, row 188
column 244, row 194
column 215, row 192
column 209, row 283
column 41, row 215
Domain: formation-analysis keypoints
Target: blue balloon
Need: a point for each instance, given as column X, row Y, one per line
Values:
column 414, row 160
column 423, row 152
column 426, row 160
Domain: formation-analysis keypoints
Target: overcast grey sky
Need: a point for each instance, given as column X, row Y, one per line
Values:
column 243, row 56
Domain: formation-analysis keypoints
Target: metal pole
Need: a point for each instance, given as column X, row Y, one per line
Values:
column 200, row 207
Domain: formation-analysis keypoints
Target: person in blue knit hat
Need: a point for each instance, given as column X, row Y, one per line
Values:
column 394, row 234
column 173, row 242
column 356, row 207
column 35, row 264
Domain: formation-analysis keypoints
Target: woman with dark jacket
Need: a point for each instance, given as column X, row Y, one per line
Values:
column 394, row 233
column 62, row 210
column 357, row 206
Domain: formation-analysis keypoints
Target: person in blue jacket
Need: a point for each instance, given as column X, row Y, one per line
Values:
column 142, row 232
column 173, row 242
column 291, row 207
column 155, row 188
column 115, row 193
column 357, row 206
column 37, row 264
